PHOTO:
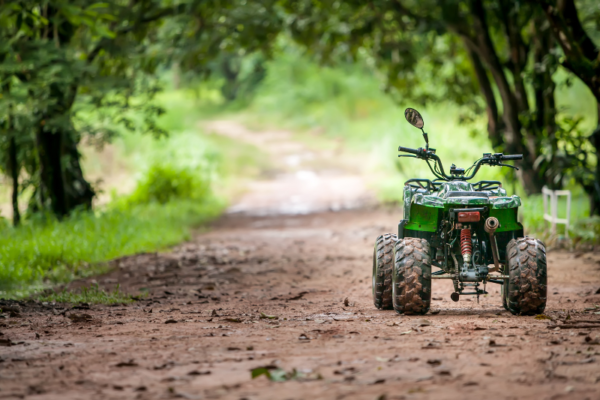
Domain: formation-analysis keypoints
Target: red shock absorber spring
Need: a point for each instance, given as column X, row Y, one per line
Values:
column 466, row 246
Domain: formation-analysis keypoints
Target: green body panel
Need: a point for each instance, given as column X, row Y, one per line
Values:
column 421, row 208
column 423, row 218
column 507, row 218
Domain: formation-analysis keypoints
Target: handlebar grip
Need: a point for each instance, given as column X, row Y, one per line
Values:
column 513, row 157
column 408, row 150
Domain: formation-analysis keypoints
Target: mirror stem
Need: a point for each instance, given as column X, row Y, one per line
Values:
column 426, row 139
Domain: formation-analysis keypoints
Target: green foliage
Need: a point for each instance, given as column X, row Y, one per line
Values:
column 163, row 183
column 46, row 252
column 91, row 295
column 587, row 230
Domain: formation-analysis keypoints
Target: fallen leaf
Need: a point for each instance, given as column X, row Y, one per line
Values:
column 542, row 317
column 303, row 337
column 434, row 361
column 171, row 321
column 407, row 332
column 265, row 316
column 265, row 370
column 238, row 320
column 423, row 322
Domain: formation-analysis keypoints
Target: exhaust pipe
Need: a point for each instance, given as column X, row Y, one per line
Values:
column 491, row 224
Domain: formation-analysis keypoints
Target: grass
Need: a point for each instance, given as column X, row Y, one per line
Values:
column 44, row 253
column 201, row 170
column 90, row 295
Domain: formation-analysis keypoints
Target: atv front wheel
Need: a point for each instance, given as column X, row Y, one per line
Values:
column 411, row 278
column 527, row 286
column 383, row 262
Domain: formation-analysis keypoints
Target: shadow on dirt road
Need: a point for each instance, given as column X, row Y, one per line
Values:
column 291, row 294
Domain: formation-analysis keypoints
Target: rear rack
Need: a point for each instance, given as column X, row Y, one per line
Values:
column 423, row 184
column 487, row 185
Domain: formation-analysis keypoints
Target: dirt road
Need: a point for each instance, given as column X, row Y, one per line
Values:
column 291, row 294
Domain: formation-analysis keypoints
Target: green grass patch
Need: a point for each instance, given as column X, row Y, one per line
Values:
column 91, row 295
column 43, row 253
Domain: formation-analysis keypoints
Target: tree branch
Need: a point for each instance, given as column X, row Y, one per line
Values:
column 161, row 14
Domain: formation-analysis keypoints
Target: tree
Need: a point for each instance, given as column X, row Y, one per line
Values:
column 508, row 46
column 59, row 58
column 581, row 56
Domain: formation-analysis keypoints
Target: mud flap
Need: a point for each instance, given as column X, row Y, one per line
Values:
column 401, row 226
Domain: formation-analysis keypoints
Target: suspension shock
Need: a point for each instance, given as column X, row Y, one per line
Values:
column 466, row 246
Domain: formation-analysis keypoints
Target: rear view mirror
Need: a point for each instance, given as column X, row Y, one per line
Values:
column 414, row 118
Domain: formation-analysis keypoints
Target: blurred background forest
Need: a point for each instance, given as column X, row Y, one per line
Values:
column 103, row 151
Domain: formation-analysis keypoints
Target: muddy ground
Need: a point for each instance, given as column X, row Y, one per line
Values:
column 200, row 332
column 292, row 294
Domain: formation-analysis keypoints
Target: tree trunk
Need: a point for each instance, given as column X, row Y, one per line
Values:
column 495, row 126
column 14, row 173
column 478, row 40
column 544, row 121
column 594, row 193
column 50, row 150
column 79, row 193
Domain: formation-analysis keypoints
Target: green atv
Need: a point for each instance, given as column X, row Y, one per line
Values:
column 468, row 230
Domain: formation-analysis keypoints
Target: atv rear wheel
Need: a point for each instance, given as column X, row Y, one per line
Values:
column 411, row 278
column 383, row 262
column 527, row 286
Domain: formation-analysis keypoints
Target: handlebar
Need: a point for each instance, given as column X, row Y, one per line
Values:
column 513, row 157
column 438, row 170
column 408, row 150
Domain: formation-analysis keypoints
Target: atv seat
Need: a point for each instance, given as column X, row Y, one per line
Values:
column 459, row 193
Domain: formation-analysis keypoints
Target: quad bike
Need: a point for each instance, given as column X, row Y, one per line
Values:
column 468, row 230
